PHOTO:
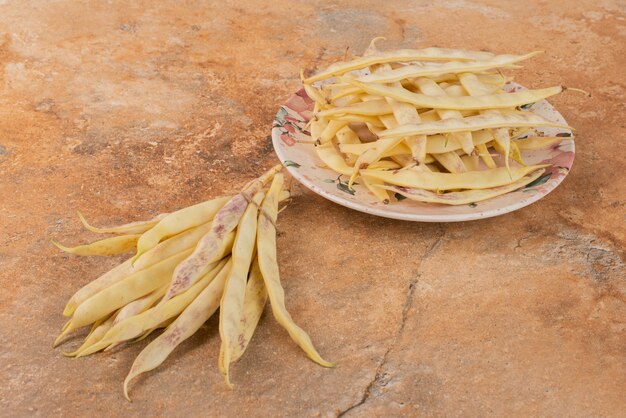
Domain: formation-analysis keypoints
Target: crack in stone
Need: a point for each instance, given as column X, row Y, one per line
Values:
column 610, row 258
column 519, row 242
column 408, row 303
column 615, row 243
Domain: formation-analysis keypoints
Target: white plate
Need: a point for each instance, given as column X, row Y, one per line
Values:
column 305, row 166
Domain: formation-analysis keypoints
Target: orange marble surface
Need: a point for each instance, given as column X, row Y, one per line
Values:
column 123, row 109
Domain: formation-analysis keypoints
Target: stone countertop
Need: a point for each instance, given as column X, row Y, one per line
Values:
column 125, row 109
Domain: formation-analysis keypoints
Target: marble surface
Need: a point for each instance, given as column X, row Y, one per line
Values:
column 123, row 109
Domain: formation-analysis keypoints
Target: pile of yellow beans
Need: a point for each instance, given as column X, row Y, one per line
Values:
column 427, row 123
column 217, row 254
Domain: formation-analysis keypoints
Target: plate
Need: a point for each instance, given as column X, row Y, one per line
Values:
column 294, row 148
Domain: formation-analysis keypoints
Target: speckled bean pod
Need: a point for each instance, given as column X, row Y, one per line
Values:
column 266, row 247
column 231, row 305
column 179, row 221
column 184, row 326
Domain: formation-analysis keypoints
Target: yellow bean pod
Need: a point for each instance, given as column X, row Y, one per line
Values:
column 316, row 95
column 506, row 153
column 451, row 162
column 372, row 155
column 503, row 140
column 103, row 247
column 266, row 248
column 463, row 197
column 428, row 69
column 143, row 336
column 331, row 130
column 369, row 108
column 114, row 275
column 495, row 81
column 448, row 181
column 253, row 306
column 369, row 120
column 317, row 127
column 173, row 245
column 231, row 305
column 130, row 228
column 405, row 113
column 389, row 121
column 493, row 101
column 471, row 123
column 347, row 136
column 402, row 55
column 439, row 144
column 516, row 154
column 378, row 192
column 360, row 149
column 137, row 306
column 333, row 159
column 483, row 153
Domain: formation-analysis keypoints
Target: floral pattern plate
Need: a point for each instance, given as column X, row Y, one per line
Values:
column 294, row 148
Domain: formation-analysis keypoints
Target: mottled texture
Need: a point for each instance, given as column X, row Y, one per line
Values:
column 127, row 109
